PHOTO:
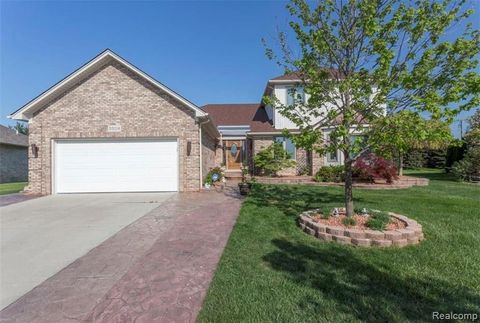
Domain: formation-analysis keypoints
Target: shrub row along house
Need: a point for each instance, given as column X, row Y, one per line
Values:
column 110, row 127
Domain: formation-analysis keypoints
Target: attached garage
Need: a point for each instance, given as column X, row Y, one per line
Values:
column 135, row 165
column 110, row 127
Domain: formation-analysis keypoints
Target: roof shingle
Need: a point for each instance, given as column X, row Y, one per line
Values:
column 252, row 114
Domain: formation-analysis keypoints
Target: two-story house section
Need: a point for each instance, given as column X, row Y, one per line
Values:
column 249, row 128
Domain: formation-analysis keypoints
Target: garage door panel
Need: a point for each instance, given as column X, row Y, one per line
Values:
column 116, row 166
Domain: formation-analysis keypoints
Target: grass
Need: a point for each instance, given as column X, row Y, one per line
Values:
column 272, row 272
column 9, row 188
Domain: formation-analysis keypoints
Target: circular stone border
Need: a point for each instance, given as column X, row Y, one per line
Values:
column 410, row 235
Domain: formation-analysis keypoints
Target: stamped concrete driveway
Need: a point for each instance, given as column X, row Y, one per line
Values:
column 40, row 237
column 156, row 269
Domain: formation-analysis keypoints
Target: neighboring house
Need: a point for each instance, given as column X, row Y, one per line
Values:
column 109, row 127
column 246, row 129
column 13, row 156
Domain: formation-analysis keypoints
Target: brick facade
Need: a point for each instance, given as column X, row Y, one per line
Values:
column 113, row 95
column 209, row 152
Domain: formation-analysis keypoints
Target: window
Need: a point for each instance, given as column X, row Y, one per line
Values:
column 332, row 157
column 288, row 145
column 357, row 140
column 295, row 95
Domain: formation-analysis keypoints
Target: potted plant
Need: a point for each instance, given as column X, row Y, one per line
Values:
column 244, row 186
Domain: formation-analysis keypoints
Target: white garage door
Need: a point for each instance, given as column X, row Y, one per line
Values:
column 116, row 166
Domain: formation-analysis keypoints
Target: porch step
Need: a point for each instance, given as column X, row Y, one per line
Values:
column 233, row 174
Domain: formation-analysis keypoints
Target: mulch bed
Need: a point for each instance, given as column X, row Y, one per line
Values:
column 361, row 222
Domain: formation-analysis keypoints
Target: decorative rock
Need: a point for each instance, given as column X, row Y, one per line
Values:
column 324, row 236
column 382, row 243
column 372, row 234
column 319, row 227
column 416, row 229
column 406, row 233
column 400, row 242
column 342, row 239
column 361, row 242
column 355, row 233
column 393, row 235
column 336, row 231
column 421, row 236
column 310, row 231
column 302, row 226
column 413, row 240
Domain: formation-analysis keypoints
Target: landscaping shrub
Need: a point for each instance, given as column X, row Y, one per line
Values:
column 468, row 169
column 436, row 158
column 371, row 166
column 273, row 159
column 378, row 220
column 454, row 154
column 415, row 159
column 214, row 175
column 349, row 221
column 330, row 174
column 326, row 213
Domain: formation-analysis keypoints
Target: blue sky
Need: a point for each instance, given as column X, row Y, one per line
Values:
column 210, row 52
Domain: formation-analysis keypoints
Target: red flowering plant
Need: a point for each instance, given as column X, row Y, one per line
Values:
column 370, row 166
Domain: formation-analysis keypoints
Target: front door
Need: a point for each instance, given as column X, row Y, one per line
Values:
column 234, row 154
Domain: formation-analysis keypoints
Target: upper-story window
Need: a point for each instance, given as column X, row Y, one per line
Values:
column 295, row 95
column 288, row 145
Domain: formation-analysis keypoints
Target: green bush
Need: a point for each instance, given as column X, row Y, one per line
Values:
column 273, row 159
column 326, row 213
column 415, row 159
column 454, row 154
column 349, row 221
column 210, row 178
column 468, row 169
column 330, row 174
column 378, row 220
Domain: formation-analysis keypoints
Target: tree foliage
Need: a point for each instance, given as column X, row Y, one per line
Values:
column 273, row 159
column 20, row 127
column 360, row 60
column 469, row 167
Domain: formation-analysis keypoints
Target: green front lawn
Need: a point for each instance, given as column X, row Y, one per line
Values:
column 9, row 188
column 272, row 272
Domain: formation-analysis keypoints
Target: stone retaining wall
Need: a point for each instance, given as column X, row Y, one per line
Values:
column 412, row 234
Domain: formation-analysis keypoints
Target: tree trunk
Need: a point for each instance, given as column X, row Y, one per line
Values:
column 400, row 164
column 348, row 185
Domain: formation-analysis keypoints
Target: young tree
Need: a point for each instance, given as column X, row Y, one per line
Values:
column 362, row 59
column 20, row 128
column 395, row 135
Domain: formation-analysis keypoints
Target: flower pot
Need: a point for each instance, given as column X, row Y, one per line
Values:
column 244, row 188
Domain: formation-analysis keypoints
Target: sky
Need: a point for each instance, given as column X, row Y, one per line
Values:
column 208, row 51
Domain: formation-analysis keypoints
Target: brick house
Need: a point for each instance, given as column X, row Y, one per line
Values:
column 246, row 129
column 13, row 156
column 110, row 127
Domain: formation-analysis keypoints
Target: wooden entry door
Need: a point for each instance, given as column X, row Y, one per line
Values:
column 234, row 154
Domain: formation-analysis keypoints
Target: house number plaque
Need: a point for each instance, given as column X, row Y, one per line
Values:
column 114, row 128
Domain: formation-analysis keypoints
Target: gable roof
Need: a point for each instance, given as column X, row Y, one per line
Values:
column 26, row 112
column 11, row 137
column 245, row 114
